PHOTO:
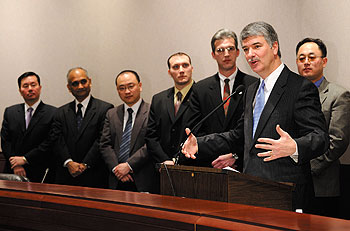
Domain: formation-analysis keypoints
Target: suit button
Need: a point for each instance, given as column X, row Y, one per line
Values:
column 173, row 130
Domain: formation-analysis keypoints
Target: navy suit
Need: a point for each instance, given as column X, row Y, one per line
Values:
column 33, row 143
column 81, row 145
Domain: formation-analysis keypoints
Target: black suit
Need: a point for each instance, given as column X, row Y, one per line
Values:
column 81, row 145
column 32, row 143
column 206, row 96
column 294, row 104
column 144, row 173
column 165, row 131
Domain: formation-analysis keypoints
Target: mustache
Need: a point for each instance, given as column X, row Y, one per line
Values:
column 253, row 59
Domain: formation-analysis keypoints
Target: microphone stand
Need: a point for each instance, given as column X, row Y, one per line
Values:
column 238, row 90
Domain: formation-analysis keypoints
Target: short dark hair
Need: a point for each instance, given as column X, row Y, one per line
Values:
column 25, row 75
column 222, row 34
column 319, row 43
column 128, row 71
column 176, row 54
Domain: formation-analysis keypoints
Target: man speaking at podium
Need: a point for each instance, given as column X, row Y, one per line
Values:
column 282, row 127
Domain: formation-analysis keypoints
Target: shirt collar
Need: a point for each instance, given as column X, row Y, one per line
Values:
column 85, row 102
column 231, row 77
column 34, row 106
column 134, row 107
column 318, row 82
column 272, row 78
column 183, row 91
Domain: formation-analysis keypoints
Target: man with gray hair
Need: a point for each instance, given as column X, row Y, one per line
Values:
column 78, row 126
column 211, row 91
column 282, row 127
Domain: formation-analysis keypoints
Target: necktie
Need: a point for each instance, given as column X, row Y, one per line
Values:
column 259, row 106
column 178, row 101
column 125, row 144
column 79, row 115
column 28, row 116
column 226, row 94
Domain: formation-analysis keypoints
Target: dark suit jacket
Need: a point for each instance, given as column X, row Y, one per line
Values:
column 81, row 146
column 206, row 96
column 335, row 101
column 33, row 143
column 143, row 168
column 165, row 131
column 294, row 105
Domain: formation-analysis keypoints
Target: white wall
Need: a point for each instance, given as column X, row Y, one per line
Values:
column 106, row 36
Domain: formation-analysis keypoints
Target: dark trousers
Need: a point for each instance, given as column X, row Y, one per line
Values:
column 325, row 206
column 126, row 186
column 344, row 200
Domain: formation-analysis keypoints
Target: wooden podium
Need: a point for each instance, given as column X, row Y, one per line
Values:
column 224, row 185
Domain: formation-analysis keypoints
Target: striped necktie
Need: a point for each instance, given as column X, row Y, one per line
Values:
column 126, row 138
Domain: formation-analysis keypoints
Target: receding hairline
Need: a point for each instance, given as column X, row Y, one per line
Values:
column 77, row 68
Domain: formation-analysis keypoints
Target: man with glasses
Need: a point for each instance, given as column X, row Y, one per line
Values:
column 282, row 127
column 335, row 100
column 77, row 126
column 122, row 143
column 169, row 112
column 211, row 91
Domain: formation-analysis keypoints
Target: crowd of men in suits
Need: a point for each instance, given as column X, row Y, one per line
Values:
column 285, row 127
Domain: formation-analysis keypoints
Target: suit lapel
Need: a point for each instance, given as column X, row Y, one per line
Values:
column 21, row 117
column 323, row 90
column 184, row 105
column 276, row 93
column 39, row 112
column 119, row 120
column 139, row 120
column 89, row 114
column 234, row 100
column 71, row 118
column 170, row 104
column 250, row 96
column 215, row 99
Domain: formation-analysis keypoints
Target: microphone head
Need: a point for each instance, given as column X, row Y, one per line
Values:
column 240, row 89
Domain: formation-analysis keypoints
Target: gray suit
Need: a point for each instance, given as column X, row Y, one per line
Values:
column 139, row 160
column 335, row 102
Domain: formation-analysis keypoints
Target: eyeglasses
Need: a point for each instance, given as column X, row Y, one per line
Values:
column 76, row 83
column 222, row 50
column 129, row 87
column 310, row 58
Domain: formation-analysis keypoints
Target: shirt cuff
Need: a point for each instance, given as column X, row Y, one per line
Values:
column 66, row 162
column 295, row 155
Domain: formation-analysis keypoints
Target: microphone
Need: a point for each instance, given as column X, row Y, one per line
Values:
column 239, row 90
column 46, row 171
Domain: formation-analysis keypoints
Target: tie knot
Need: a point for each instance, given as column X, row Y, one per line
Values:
column 79, row 106
column 179, row 96
column 262, row 84
column 130, row 111
column 30, row 109
column 227, row 81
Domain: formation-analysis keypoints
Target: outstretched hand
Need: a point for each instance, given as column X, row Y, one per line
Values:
column 190, row 147
column 284, row 146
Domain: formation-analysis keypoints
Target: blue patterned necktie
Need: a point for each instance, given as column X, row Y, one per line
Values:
column 125, row 144
column 29, row 116
column 79, row 115
column 259, row 106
